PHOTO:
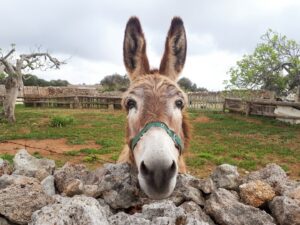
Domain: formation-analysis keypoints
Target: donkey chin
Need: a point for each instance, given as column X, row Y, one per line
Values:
column 157, row 157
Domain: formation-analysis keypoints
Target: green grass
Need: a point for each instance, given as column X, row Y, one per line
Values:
column 61, row 121
column 7, row 157
column 248, row 143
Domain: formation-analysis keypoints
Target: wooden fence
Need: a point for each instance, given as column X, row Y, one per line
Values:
column 260, row 107
column 94, row 102
column 205, row 101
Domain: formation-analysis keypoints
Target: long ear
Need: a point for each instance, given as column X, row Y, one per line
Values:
column 175, row 50
column 134, row 49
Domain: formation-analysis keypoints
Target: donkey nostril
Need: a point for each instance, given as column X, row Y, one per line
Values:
column 172, row 169
column 144, row 170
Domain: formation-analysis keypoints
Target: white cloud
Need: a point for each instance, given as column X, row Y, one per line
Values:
column 79, row 70
column 91, row 32
column 210, row 70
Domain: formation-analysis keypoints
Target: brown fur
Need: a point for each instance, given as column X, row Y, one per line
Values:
column 156, row 95
column 158, row 86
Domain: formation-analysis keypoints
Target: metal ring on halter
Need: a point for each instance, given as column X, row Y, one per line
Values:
column 179, row 144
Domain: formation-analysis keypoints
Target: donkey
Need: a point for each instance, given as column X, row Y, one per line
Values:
column 157, row 130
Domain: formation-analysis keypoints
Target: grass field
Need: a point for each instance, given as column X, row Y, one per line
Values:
column 96, row 136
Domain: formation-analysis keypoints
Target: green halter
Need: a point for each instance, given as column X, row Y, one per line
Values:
column 171, row 133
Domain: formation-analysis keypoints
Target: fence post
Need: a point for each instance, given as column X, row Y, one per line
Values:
column 247, row 110
column 298, row 94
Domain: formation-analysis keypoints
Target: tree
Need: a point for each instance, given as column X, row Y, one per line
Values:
column 115, row 82
column 187, row 85
column 14, row 67
column 274, row 65
column 32, row 80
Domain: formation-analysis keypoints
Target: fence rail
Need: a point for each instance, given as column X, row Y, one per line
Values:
column 95, row 102
column 263, row 108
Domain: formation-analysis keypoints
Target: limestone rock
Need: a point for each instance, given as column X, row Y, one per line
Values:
column 224, row 207
column 207, row 185
column 27, row 165
column 48, row 185
column 3, row 221
column 256, row 193
column 164, row 208
column 119, row 186
column 289, row 188
column 69, row 179
column 20, row 199
column 5, row 167
column 294, row 193
column 6, row 180
column 272, row 174
column 195, row 214
column 122, row 218
column 285, row 210
column 226, row 176
column 77, row 210
column 184, row 191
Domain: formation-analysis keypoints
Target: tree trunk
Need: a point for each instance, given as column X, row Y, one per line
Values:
column 298, row 94
column 13, row 85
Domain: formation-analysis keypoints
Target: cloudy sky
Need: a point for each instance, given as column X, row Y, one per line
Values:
column 89, row 33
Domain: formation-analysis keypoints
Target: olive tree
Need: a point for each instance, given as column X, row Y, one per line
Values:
column 14, row 65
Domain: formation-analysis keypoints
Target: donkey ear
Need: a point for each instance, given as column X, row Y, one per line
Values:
column 175, row 50
column 134, row 49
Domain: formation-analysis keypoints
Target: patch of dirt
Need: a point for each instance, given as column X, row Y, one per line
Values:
column 54, row 149
column 44, row 147
column 202, row 119
column 203, row 172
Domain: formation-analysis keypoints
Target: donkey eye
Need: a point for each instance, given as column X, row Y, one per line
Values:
column 130, row 104
column 179, row 104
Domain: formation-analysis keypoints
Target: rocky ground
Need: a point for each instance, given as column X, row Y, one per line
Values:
column 34, row 192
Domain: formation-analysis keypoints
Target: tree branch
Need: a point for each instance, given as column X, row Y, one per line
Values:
column 33, row 58
column 9, row 53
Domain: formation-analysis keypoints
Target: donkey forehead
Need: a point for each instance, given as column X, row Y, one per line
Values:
column 155, row 86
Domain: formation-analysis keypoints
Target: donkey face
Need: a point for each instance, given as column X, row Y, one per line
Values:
column 156, row 129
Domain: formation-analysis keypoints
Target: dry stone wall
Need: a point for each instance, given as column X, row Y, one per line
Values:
column 34, row 192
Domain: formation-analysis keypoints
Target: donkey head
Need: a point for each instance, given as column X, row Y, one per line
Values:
column 157, row 131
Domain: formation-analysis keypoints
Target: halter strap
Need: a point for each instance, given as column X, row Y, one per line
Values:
column 162, row 125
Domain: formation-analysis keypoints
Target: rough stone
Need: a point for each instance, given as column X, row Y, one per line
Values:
column 164, row 208
column 119, row 185
column 48, row 185
column 207, row 186
column 3, row 221
column 69, row 179
column 77, row 210
column 184, row 191
column 272, row 174
column 224, row 207
column 106, row 207
column 122, row 218
column 256, row 193
column 289, row 188
column 285, row 210
column 294, row 193
column 6, row 180
column 5, row 167
column 27, row 165
column 226, row 176
column 195, row 214
column 20, row 199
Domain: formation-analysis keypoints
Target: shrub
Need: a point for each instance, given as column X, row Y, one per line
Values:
column 61, row 121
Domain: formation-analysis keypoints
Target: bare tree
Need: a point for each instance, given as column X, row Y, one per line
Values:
column 14, row 70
